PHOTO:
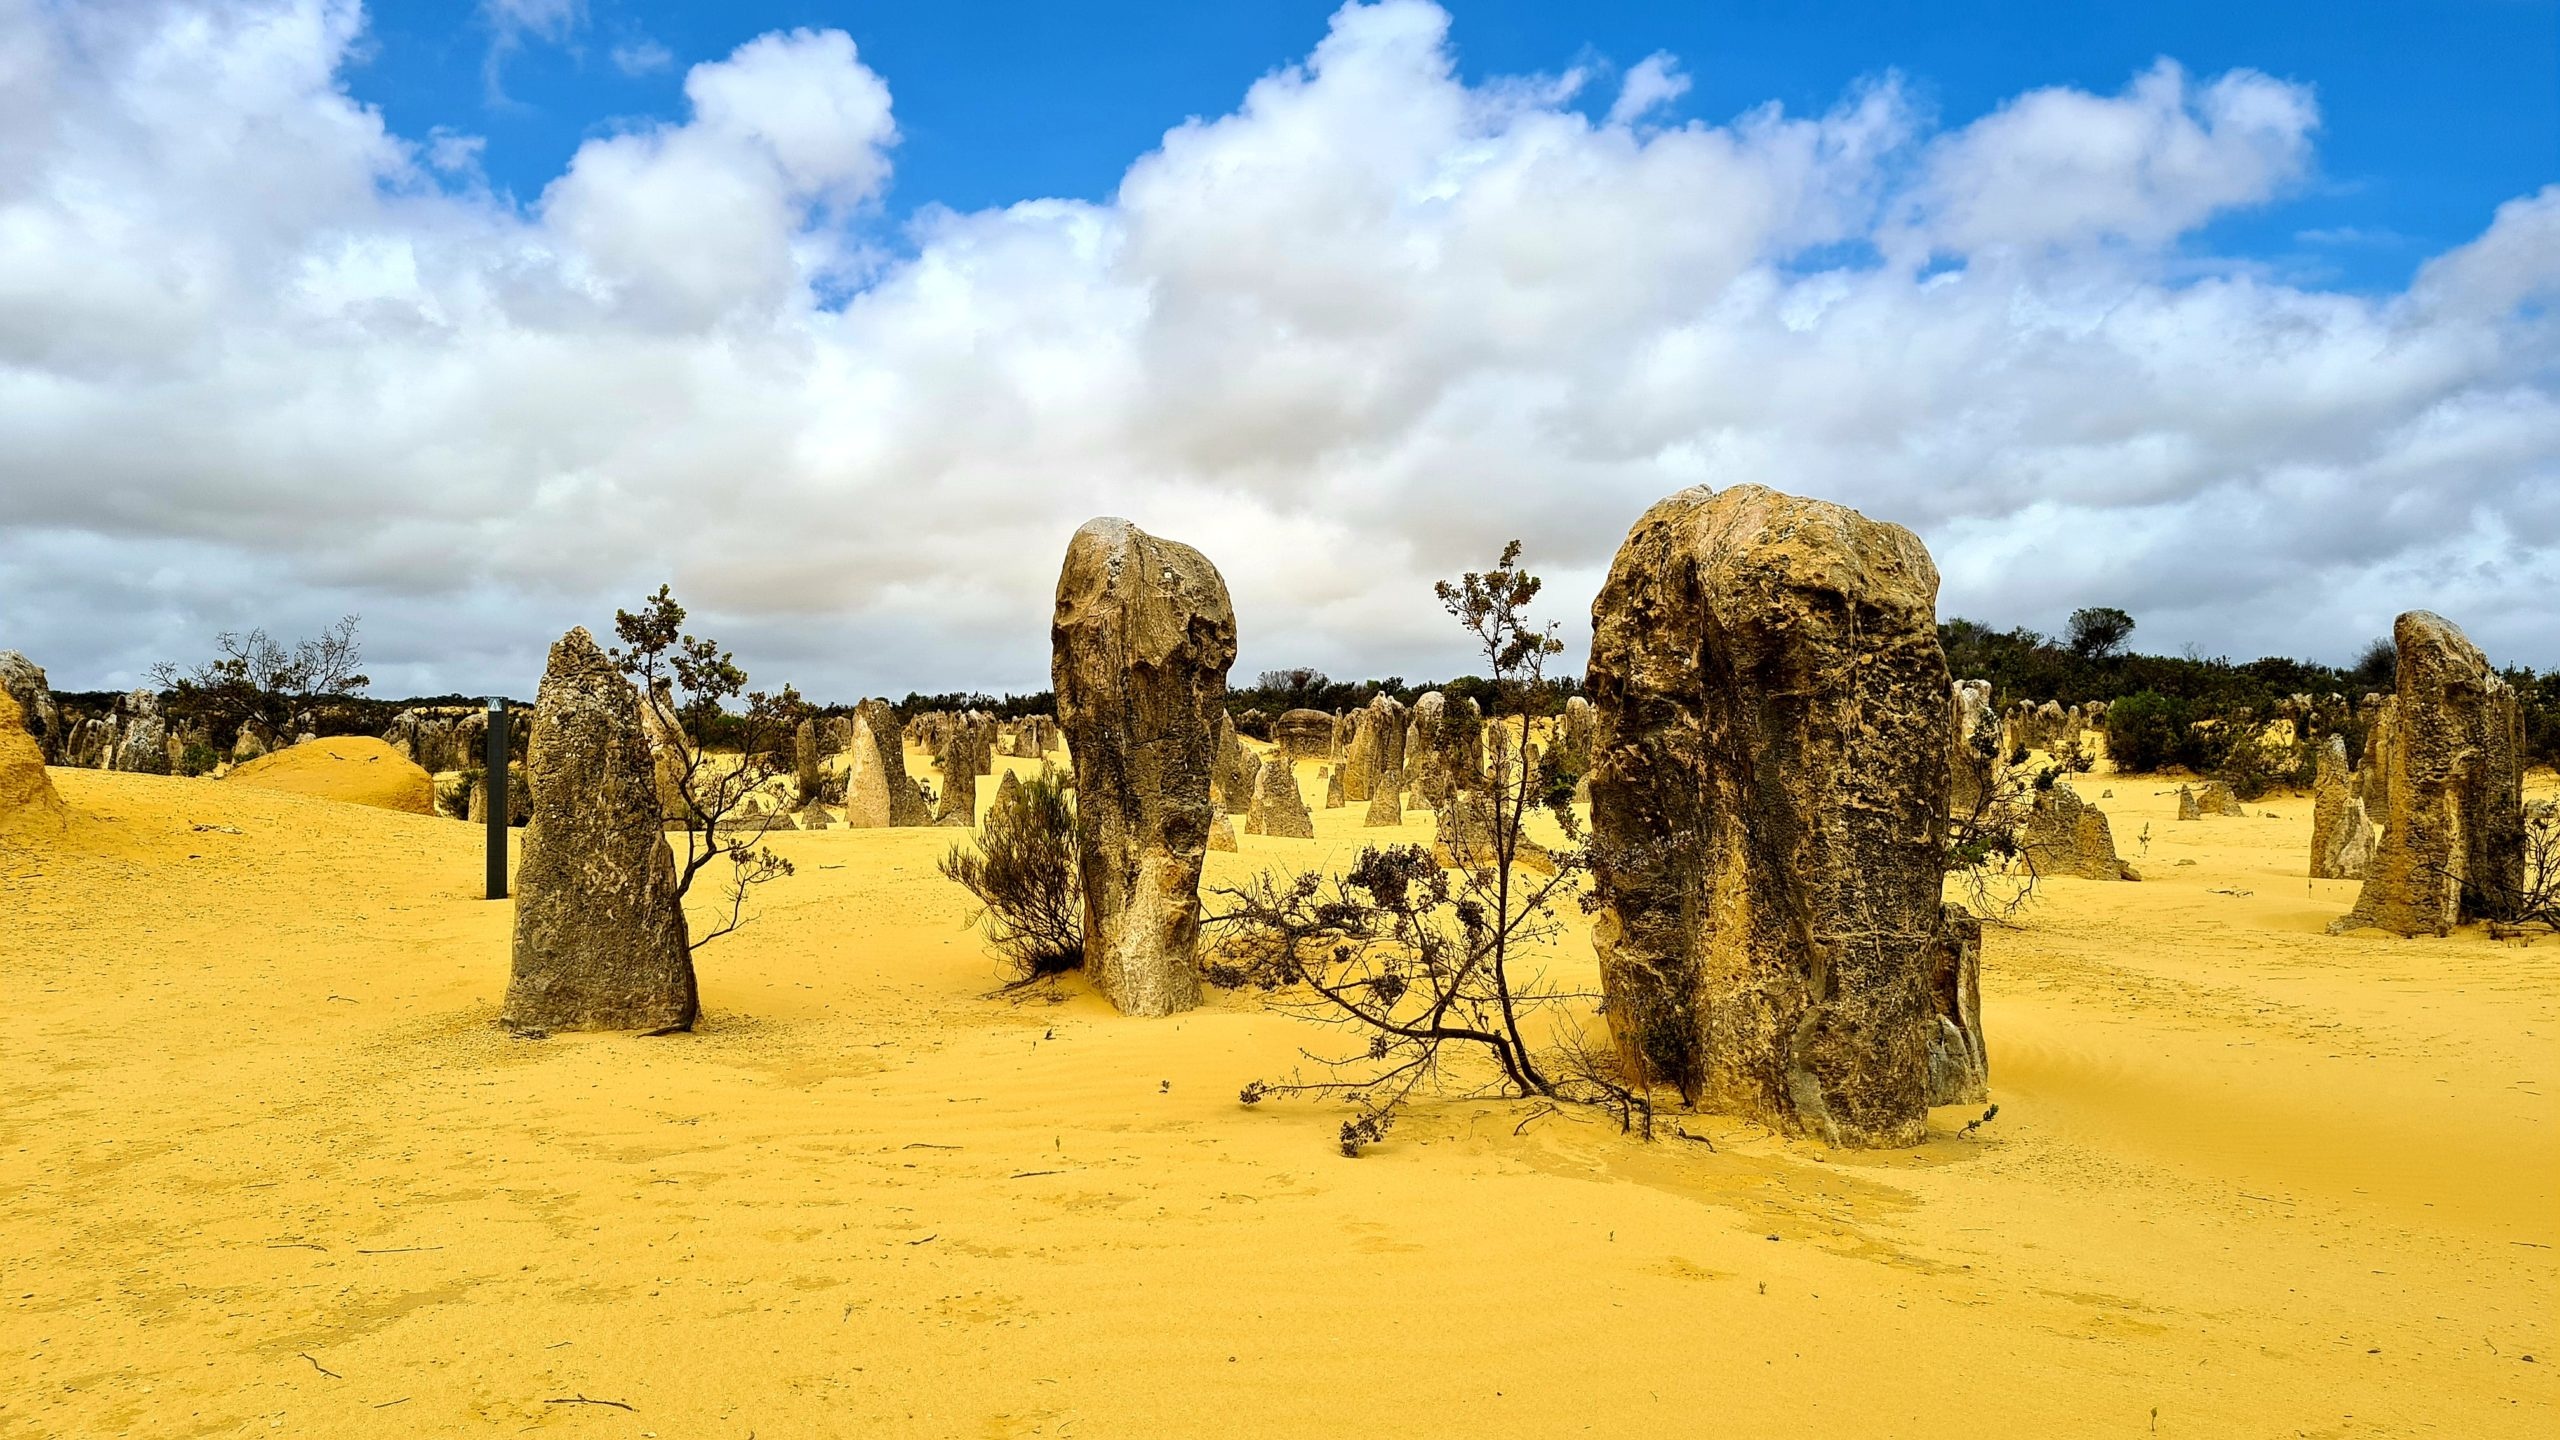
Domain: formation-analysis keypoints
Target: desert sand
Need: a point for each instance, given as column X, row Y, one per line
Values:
column 268, row 1168
column 358, row 769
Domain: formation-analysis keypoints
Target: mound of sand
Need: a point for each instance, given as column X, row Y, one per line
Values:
column 26, row 792
column 357, row 769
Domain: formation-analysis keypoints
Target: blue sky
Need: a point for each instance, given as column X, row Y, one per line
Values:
column 2432, row 113
column 480, row 321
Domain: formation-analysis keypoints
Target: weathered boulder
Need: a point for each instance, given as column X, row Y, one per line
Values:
column 1387, row 763
column 1974, row 761
column 1462, row 830
column 28, row 802
column 2453, row 839
column 2341, row 836
column 808, row 766
column 1959, row 1064
column 1278, row 808
column 1232, row 772
column 1574, row 732
column 600, row 938
column 1304, row 734
column 2381, row 737
column 38, row 715
column 877, row 792
column 1386, row 807
column 255, row 739
column 519, row 793
column 1768, row 796
column 443, row 737
column 1359, row 765
column 1333, row 796
column 1444, row 747
column 1140, row 644
column 2066, row 835
column 1222, row 831
column 142, row 744
column 2216, row 798
column 2187, row 807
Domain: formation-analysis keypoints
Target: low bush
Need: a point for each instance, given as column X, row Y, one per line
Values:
column 1022, row 868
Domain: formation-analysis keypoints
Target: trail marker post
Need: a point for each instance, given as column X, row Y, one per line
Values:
column 493, row 781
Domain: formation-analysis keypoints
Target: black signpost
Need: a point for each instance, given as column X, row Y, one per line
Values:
column 493, row 782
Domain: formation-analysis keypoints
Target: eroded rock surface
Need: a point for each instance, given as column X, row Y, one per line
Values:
column 2452, row 844
column 1768, row 794
column 600, row 938
column 1140, row 644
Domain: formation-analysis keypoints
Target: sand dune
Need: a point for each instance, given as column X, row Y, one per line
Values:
column 267, row 1167
column 357, row 769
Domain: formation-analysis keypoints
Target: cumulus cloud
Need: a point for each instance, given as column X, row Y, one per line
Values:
column 263, row 361
column 1655, row 81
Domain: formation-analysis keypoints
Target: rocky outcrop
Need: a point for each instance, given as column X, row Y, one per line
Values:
column 1222, row 831
column 1444, row 748
column 1768, row 797
column 1278, row 808
column 600, row 939
column 519, row 783
column 1359, row 765
column 1334, row 799
column 2065, row 835
column 439, row 738
column 2342, row 839
column 1975, row 763
column 38, row 715
column 808, row 765
column 2216, row 798
column 1959, row 1064
column 877, row 792
column 1390, row 719
column 1574, row 733
column 1304, row 735
column 1232, row 772
column 2453, row 839
column 1386, row 807
column 142, row 745
column 1140, row 643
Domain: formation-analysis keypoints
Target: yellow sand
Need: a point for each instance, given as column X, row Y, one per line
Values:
column 267, row 1168
column 354, row 769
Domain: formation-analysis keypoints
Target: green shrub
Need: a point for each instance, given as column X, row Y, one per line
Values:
column 2149, row 731
column 1022, row 868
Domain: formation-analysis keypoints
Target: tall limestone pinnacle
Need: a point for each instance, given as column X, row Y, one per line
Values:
column 1140, row 643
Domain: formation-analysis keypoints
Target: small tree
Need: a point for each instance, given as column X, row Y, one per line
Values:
column 1985, row 850
column 1022, row 867
column 699, row 679
column 1424, row 962
column 2377, row 668
column 255, row 679
column 2099, row 632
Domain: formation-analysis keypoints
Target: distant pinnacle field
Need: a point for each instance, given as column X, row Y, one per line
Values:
column 268, row 1167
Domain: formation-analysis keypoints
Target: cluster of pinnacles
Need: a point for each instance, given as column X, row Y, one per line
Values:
column 1773, row 750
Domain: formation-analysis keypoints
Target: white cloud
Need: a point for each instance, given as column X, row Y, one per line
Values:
column 642, row 56
column 1655, row 81
column 260, row 365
